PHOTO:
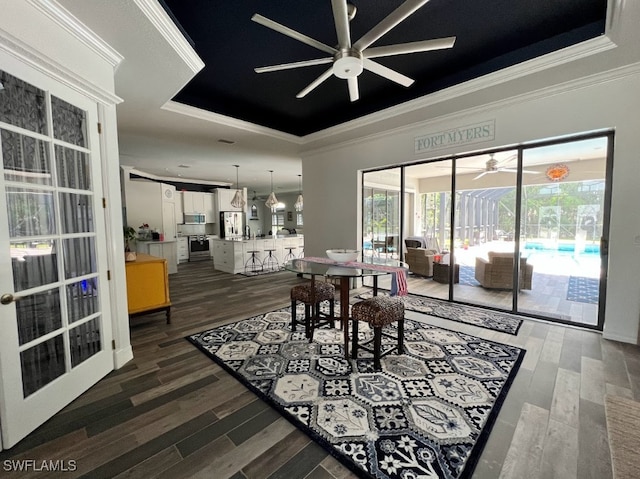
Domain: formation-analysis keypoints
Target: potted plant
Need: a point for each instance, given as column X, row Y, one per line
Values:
column 130, row 237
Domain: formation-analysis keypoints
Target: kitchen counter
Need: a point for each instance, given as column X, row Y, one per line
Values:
column 232, row 254
column 167, row 249
column 158, row 241
column 243, row 239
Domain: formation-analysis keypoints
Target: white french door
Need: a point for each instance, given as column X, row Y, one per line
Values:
column 54, row 312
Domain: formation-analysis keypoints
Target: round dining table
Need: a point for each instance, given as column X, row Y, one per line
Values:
column 344, row 272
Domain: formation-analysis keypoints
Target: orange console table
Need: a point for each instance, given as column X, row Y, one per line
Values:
column 148, row 285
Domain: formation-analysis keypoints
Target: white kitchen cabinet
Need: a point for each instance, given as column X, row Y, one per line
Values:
column 224, row 197
column 232, row 256
column 210, row 210
column 192, row 202
column 183, row 249
column 161, row 249
column 227, row 255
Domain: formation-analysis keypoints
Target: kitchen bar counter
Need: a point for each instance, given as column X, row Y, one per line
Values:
column 166, row 249
column 232, row 254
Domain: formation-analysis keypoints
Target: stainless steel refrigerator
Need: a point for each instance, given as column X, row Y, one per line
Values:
column 231, row 224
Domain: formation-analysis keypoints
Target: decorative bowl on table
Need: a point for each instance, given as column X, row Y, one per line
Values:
column 343, row 255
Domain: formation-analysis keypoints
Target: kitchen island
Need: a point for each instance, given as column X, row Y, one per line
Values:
column 232, row 254
column 166, row 249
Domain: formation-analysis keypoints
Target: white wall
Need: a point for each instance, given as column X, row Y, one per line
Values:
column 606, row 101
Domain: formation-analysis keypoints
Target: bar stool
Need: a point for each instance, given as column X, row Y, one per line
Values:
column 253, row 264
column 312, row 298
column 379, row 312
column 289, row 255
column 270, row 262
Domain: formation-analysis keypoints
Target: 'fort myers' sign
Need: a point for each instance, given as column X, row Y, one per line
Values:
column 463, row 135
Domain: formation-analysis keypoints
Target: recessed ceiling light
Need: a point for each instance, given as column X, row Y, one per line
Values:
column 184, row 166
column 227, row 142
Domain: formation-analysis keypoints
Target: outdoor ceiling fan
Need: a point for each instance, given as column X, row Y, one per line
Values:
column 493, row 166
column 350, row 59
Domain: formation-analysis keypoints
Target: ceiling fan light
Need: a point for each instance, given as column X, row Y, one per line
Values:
column 238, row 200
column 299, row 204
column 347, row 64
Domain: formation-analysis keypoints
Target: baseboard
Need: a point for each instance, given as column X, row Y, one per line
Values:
column 122, row 356
column 619, row 337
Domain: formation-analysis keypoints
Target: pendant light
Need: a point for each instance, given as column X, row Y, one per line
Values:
column 238, row 199
column 299, row 202
column 272, row 201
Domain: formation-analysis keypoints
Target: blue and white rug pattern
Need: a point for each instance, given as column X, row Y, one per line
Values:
column 583, row 290
column 427, row 414
column 483, row 318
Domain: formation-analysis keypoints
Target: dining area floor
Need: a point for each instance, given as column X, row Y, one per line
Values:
column 171, row 412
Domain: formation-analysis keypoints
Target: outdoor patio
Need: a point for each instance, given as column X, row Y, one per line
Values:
column 556, row 275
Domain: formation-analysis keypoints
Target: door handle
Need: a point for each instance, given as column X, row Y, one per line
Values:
column 8, row 298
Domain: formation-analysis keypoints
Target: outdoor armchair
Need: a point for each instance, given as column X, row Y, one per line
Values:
column 420, row 261
column 497, row 271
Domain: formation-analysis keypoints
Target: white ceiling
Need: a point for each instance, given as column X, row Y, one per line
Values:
column 155, row 134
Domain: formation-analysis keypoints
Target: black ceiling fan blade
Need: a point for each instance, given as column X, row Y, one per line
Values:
column 394, row 18
column 292, row 33
column 315, row 83
column 289, row 66
column 387, row 73
column 341, row 19
column 412, row 47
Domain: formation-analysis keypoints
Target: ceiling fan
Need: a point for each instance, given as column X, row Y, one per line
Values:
column 492, row 166
column 350, row 59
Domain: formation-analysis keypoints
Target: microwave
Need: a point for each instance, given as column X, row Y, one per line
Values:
column 194, row 219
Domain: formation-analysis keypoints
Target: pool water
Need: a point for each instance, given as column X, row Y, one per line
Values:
column 562, row 247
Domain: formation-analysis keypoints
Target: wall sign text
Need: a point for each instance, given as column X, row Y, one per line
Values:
column 463, row 135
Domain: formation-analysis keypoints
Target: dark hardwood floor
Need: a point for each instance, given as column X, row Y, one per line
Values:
column 172, row 413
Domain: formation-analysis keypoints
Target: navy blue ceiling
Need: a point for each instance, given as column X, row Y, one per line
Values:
column 491, row 35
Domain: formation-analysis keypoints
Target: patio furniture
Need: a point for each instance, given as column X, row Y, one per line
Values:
column 312, row 294
column 379, row 312
column 441, row 273
column 420, row 261
column 496, row 272
column 410, row 243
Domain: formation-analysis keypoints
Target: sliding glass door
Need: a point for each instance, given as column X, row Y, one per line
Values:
column 562, row 223
column 518, row 230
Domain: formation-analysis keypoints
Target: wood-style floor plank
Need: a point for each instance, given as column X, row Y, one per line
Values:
column 171, row 412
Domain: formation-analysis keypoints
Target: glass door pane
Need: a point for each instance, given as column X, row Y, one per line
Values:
column 381, row 217
column 427, row 229
column 484, row 239
column 562, row 216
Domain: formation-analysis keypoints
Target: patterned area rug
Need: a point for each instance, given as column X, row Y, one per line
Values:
column 583, row 290
column 483, row 318
column 428, row 413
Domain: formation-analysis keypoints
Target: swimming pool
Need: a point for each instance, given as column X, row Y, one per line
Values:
column 564, row 247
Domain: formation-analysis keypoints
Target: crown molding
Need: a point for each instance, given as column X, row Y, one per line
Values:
column 170, row 32
column 75, row 27
column 209, row 116
column 55, row 70
column 536, row 65
column 176, row 179
column 488, row 108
